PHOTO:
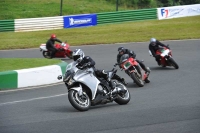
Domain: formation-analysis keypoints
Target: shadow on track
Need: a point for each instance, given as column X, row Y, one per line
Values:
column 161, row 68
column 68, row 109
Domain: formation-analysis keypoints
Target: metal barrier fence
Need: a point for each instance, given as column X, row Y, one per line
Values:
column 47, row 23
column 7, row 25
column 36, row 24
column 122, row 16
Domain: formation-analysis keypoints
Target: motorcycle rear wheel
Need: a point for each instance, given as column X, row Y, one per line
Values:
column 173, row 63
column 46, row 54
column 81, row 103
column 136, row 79
column 123, row 98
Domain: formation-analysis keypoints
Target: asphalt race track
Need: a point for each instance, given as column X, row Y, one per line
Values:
column 170, row 103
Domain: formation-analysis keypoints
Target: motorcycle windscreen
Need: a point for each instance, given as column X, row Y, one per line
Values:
column 72, row 66
column 87, row 77
column 165, row 52
column 124, row 58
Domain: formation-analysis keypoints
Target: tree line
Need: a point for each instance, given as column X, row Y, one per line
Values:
column 153, row 3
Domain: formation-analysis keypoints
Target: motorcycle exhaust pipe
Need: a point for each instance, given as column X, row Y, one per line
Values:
column 118, row 90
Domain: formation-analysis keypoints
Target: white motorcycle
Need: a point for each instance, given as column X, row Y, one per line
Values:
column 85, row 89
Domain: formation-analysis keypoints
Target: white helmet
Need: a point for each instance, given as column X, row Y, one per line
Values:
column 153, row 41
column 78, row 55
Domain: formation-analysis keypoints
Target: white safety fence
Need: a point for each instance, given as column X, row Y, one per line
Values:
column 36, row 24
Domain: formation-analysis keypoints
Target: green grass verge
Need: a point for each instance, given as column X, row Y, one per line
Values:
column 16, row 9
column 171, row 29
column 23, row 63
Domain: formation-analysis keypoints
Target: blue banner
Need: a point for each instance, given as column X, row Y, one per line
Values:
column 80, row 20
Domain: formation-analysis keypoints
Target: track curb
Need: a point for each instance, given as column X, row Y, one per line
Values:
column 31, row 77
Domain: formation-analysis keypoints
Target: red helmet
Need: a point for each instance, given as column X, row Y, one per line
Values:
column 53, row 36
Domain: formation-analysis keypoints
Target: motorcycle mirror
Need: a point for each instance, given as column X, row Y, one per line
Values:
column 66, row 41
column 167, row 45
column 59, row 77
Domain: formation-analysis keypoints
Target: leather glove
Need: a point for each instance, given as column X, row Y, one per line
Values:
column 84, row 66
column 79, row 67
column 60, row 49
column 89, row 64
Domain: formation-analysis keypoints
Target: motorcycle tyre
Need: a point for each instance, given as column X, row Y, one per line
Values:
column 174, row 64
column 70, row 56
column 46, row 54
column 136, row 80
column 77, row 105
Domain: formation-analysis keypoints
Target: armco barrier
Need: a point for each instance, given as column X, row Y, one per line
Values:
column 36, row 24
column 49, row 23
column 122, row 16
column 32, row 76
column 7, row 25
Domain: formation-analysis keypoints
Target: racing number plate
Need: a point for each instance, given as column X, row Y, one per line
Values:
column 127, row 65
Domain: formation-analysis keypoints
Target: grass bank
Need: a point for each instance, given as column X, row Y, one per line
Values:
column 16, row 9
column 23, row 63
column 171, row 29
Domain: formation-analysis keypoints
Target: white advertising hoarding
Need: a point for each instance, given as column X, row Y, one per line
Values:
column 178, row 11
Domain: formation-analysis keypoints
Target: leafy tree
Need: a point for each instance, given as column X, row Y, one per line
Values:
column 187, row 2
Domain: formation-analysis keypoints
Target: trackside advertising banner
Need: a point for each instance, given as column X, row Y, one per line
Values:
column 80, row 20
column 178, row 11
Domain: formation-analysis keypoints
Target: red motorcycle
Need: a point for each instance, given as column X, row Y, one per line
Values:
column 134, row 70
column 63, row 51
column 166, row 57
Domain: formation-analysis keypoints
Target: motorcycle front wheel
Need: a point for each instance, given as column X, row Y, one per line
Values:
column 81, row 103
column 137, row 80
column 173, row 63
column 123, row 98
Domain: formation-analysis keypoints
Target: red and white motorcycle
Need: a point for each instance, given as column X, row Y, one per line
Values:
column 63, row 52
column 165, row 57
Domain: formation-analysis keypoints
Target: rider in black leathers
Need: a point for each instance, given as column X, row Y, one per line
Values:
column 50, row 45
column 122, row 51
column 87, row 61
column 154, row 46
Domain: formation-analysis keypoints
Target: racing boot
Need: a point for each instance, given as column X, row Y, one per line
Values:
column 123, row 81
column 158, row 63
column 114, row 89
column 147, row 70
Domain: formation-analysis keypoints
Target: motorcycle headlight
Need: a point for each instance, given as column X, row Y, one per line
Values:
column 70, row 82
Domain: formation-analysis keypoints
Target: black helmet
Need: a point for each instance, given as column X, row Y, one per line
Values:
column 121, row 49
